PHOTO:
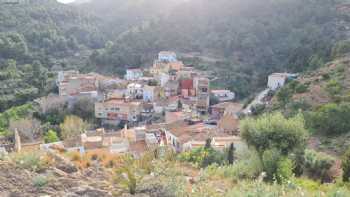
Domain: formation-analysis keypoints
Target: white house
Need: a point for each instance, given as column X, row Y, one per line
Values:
column 163, row 78
column 135, row 90
column 133, row 74
column 167, row 56
column 277, row 80
column 224, row 95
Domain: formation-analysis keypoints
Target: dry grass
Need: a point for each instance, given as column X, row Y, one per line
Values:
column 102, row 156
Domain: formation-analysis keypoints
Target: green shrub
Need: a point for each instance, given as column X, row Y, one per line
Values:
column 333, row 87
column 284, row 172
column 284, row 95
column 341, row 48
column 40, row 181
column 270, row 161
column 307, row 184
column 202, row 157
column 346, row 166
column 14, row 113
column 276, row 166
column 294, row 107
column 246, row 168
column 258, row 109
column 318, row 164
column 274, row 131
column 51, row 136
column 331, row 119
column 301, row 88
column 30, row 161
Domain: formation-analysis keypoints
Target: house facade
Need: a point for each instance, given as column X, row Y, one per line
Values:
column 171, row 88
column 118, row 110
column 277, row 80
column 135, row 90
column 187, row 90
column 183, row 136
column 133, row 74
column 151, row 93
column 202, row 94
column 167, row 56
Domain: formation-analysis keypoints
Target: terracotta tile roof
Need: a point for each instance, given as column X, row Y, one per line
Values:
column 230, row 106
column 174, row 116
column 185, row 132
column 229, row 123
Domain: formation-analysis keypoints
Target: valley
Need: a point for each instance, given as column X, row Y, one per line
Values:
column 169, row 98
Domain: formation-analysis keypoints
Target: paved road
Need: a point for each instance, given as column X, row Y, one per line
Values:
column 258, row 100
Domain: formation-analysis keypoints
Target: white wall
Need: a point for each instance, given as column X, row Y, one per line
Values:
column 276, row 81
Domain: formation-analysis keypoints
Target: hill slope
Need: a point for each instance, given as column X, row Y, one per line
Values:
column 253, row 38
column 323, row 97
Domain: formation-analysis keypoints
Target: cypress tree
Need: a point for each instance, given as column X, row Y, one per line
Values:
column 230, row 154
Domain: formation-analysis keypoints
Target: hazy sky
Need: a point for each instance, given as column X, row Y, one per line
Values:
column 65, row 1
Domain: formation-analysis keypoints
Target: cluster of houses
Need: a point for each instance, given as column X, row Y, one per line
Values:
column 167, row 104
column 168, row 86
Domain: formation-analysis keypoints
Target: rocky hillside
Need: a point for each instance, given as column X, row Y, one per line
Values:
column 330, row 83
column 322, row 96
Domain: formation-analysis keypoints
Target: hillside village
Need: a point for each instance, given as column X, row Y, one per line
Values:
column 175, row 98
column 168, row 104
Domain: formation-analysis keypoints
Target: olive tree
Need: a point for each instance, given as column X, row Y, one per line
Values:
column 72, row 126
column 275, row 132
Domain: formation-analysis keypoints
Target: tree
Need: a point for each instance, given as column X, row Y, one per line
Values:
column 51, row 136
column 39, row 76
column 258, row 109
column 213, row 100
column 317, row 164
column 331, row 119
column 274, row 131
column 84, row 108
column 203, row 157
column 207, row 144
column 230, row 154
column 72, row 126
column 341, row 48
column 27, row 127
column 152, row 82
column 277, row 166
column 346, row 166
column 179, row 105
